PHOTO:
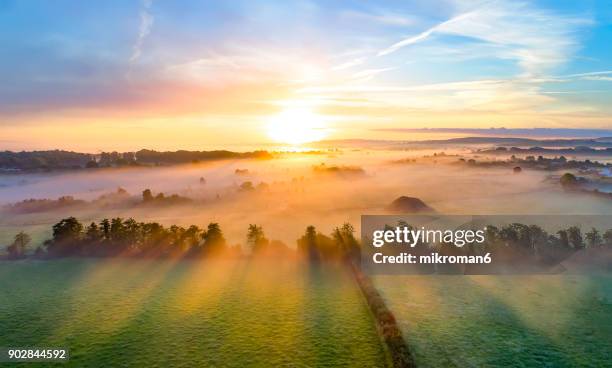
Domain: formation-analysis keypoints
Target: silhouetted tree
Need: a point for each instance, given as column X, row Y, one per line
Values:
column 593, row 238
column 607, row 238
column 346, row 242
column 213, row 239
column 192, row 236
column 256, row 238
column 68, row 229
column 93, row 233
column 575, row 238
column 66, row 237
column 307, row 244
column 564, row 239
column 93, row 237
column 18, row 248
column 105, row 227
column 147, row 196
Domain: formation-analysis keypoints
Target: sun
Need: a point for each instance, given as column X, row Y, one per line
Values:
column 297, row 125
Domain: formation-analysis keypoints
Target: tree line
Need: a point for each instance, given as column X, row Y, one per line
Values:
column 128, row 237
column 516, row 246
column 66, row 160
column 519, row 239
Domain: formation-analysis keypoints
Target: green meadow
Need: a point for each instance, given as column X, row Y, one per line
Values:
column 160, row 313
column 504, row 321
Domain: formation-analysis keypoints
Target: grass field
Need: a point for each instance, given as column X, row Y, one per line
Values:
column 183, row 314
column 504, row 321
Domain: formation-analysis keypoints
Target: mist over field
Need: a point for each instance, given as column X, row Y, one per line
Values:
column 290, row 192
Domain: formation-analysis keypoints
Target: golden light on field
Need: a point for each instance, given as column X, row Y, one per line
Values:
column 297, row 125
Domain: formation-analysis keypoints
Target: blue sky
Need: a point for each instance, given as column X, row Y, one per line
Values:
column 214, row 66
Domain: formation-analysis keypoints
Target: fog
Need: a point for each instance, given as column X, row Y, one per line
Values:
column 295, row 195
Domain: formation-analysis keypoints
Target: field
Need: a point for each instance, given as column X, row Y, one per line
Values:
column 504, row 321
column 213, row 313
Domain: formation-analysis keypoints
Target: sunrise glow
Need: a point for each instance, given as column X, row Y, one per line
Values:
column 297, row 125
column 160, row 80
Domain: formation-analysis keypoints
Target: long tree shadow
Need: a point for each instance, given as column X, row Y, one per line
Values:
column 37, row 298
column 478, row 328
column 126, row 342
column 333, row 307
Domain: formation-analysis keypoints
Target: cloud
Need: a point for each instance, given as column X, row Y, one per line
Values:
column 422, row 36
column 370, row 73
column 492, row 95
column 537, row 39
column 385, row 18
column 146, row 24
column 598, row 78
column 349, row 64
column 603, row 72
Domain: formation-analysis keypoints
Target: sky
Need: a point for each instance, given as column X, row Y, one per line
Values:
column 165, row 74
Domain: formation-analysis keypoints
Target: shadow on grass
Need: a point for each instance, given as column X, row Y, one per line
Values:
column 474, row 326
column 37, row 298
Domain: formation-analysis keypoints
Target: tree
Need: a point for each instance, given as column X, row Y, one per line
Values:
column 538, row 238
column 308, row 244
column 594, row 239
column 346, row 242
column 147, row 196
column 256, row 238
column 133, row 234
column 67, row 230
column 176, row 238
column 575, row 237
column 117, row 230
column 191, row 236
column 213, row 239
column 607, row 238
column 564, row 239
column 568, row 181
column 105, row 227
column 18, row 248
column 154, row 237
column 93, row 234
column 66, row 239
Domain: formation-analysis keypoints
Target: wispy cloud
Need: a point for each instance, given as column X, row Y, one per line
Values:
column 146, row 24
column 369, row 73
column 590, row 74
column 537, row 39
column 349, row 64
column 423, row 35
column 599, row 78
column 246, row 64
column 385, row 18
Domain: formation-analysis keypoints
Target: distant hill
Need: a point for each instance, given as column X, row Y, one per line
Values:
column 603, row 142
column 67, row 160
column 405, row 204
column 510, row 132
column 579, row 150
